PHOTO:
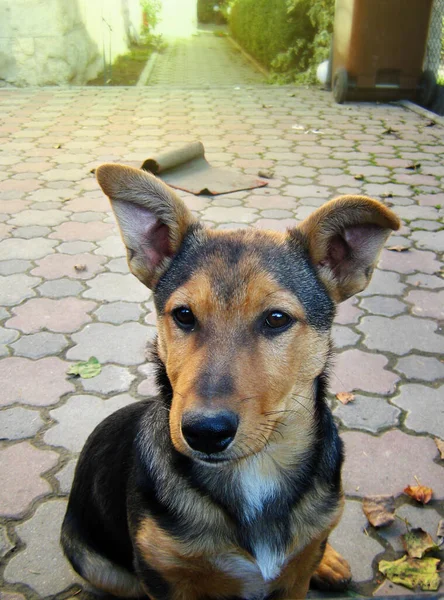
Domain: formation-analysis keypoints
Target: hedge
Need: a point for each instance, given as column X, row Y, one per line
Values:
column 286, row 36
column 207, row 14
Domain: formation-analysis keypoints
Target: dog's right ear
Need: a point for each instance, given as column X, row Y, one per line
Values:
column 153, row 221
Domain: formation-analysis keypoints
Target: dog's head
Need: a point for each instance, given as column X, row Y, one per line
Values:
column 244, row 317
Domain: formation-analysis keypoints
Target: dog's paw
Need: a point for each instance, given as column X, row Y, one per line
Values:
column 333, row 573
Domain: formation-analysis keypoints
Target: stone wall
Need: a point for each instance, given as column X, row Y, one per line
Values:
column 56, row 42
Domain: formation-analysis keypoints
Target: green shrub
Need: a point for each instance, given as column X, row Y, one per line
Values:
column 289, row 37
column 207, row 14
column 264, row 29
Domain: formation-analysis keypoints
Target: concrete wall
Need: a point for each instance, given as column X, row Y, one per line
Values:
column 47, row 42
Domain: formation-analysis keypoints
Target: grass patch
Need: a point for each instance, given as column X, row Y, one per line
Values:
column 127, row 68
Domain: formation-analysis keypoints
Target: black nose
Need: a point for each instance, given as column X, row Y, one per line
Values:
column 209, row 434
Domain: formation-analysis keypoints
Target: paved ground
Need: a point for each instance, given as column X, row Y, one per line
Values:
column 53, row 219
column 203, row 60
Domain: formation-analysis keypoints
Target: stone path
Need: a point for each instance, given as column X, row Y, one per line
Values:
column 203, row 60
column 66, row 294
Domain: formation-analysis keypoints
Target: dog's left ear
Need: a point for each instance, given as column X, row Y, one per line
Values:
column 345, row 237
column 153, row 221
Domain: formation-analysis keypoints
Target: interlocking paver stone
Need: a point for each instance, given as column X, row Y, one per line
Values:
column 78, row 417
column 431, row 240
column 343, row 336
column 39, row 217
column 427, row 304
column 55, row 266
column 39, row 345
column 16, row 288
column 28, row 249
column 75, row 247
column 66, row 475
column 347, row 312
column 73, row 231
column 383, row 305
column 62, row 316
column 123, row 344
column 369, row 413
column 401, row 334
column 21, row 467
column 424, row 406
column 41, row 565
column 426, row 281
column 9, row 267
column 118, row 265
column 111, row 380
column 18, row 423
column 388, row 463
column 60, row 288
column 50, row 373
column 409, row 262
column 384, row 283
column 111, row 246
column 119, row 312
column 415, row 366
column 7, row 336
column 115, row 286
column 5, row 543
column 350, row 540
column 357, row 370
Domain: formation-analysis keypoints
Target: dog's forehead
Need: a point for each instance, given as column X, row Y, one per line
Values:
column 230, row 261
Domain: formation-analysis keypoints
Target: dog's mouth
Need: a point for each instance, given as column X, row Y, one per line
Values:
column 211, row 459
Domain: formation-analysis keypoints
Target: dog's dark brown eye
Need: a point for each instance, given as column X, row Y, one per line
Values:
column 277, row 320
column 184, row 318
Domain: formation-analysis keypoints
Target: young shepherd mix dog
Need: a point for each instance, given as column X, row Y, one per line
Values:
column 228, row 484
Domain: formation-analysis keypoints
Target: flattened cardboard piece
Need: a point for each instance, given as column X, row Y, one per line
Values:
column 187, row 169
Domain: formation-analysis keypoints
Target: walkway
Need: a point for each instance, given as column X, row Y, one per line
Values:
column 66, row 293
column 203, row 60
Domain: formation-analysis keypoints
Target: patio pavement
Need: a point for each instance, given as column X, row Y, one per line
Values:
column 66, row 294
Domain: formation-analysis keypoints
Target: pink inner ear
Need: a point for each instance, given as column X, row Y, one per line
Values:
column 159, row 246
column 337, row 251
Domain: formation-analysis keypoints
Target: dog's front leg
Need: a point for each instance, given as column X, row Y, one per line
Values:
column 333, row 572
column 294, row 581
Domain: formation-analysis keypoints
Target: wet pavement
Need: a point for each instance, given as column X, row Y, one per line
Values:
column 66, row 293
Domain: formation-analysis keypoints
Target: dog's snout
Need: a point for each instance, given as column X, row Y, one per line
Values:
column 209, row 433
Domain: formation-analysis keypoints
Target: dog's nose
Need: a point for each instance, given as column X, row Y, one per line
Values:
column 209, row 434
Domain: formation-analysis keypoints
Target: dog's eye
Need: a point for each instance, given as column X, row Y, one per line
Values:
column 184, row 318
column 277, row 320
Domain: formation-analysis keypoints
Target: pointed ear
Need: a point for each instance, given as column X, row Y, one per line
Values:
column 153, row 221
column 345, row 237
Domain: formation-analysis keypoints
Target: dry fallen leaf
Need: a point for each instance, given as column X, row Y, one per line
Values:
column 398, row 248
column 80, row 268
column 386, row 195
column 359, row 177
column 411, row 572
column 345, row 397
column 413, row 167
column 420, row 493
column 266, row 174
column 379, row 510
column 440, row 532
column 417, row 542
column 440, row 445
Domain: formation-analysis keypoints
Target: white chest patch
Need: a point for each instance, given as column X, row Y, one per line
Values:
column 269, row 562
column 256, row 490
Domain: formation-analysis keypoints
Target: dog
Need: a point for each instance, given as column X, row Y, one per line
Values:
column 227, row 485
